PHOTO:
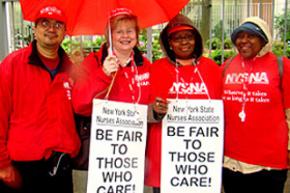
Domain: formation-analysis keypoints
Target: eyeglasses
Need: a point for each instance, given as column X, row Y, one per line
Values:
column 179, row 39
column 46, row 24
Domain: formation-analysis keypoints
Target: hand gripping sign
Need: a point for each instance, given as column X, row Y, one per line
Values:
column 117, row 147
column 194, row 163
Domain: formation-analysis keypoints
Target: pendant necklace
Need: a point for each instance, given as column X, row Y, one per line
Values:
column 242, row 113
column 195, row 71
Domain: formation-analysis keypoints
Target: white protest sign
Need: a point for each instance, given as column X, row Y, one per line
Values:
column 117, row 147
column 192, row 146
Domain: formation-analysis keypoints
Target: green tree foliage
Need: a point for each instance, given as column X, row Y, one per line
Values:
column 279, row 24
column 87, row 46
column 156, row 49
column 216, row 55
column 217, row 30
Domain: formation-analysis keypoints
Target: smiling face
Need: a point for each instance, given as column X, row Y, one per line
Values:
column 248, row 45
column 182, row 44
column 124, row 36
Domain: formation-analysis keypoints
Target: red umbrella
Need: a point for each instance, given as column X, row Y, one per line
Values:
column 88, row 17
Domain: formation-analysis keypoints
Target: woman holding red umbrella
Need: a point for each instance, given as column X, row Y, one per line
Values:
column 182, row 70
column 118, row 71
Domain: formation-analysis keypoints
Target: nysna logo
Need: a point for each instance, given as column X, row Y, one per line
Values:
column 188, row 88
column 250, row 78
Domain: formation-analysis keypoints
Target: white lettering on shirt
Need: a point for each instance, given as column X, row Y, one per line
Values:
column 188, row 88
column 250, row 78
column 142, row 79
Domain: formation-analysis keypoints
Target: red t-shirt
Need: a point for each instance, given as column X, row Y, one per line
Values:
column 263, row 137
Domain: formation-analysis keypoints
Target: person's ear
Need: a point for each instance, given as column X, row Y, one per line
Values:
column 33, row 30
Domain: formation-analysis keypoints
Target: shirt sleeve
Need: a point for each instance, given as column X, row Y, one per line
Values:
column 5, row 110
column 286, row 93
column 92, row 84
column 285, row 82
column 288, row 124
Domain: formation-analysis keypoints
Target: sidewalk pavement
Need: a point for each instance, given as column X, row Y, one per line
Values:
column 80, row 179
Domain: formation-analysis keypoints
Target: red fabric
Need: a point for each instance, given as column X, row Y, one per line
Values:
column 163, row 76
column 120, row 11
column 179, row 28
column 51, row 12
column 262, row 139
column 49, row 63
column 95, row 83
column 36, row 115
column 83, row 19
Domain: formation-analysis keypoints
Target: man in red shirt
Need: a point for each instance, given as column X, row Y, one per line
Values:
column 37, row 129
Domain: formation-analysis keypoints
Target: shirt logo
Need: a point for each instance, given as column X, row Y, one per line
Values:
column 68, row 89
column 188, row 88
column 50, row 10
column 250, row 78
column 142, row 79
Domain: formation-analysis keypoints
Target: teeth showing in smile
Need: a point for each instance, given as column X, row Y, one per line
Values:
column 185, row 49
column 245, row 47
column 125, row 42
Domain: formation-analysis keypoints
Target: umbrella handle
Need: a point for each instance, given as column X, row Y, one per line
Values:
column 110, row 39
column 110, row 86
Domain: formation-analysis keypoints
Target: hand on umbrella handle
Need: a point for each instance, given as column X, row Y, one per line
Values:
column 110, row 65
column 111, row 85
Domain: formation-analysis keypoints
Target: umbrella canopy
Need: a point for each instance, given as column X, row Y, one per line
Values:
column 89, row 17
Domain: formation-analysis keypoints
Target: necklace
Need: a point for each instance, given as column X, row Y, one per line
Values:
column 132, row 81
column 245, row 82
column 195, row 71
column 242, row 113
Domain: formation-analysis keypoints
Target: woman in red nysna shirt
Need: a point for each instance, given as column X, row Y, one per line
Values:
column 185, row 74
column 255, row 100
column 122, row 74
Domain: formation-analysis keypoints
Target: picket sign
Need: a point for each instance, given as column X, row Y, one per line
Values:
column 192, row 146
column 117, row 147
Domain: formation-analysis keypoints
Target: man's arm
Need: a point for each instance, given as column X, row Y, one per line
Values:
column 5, row 110
column 7, row 172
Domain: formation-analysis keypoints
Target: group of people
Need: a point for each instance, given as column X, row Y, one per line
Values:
column 40, row 91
